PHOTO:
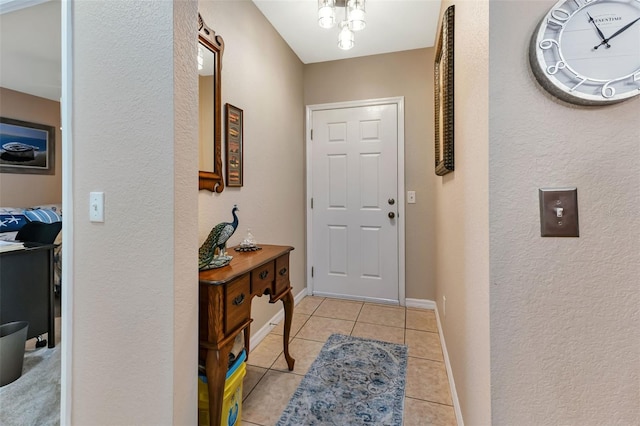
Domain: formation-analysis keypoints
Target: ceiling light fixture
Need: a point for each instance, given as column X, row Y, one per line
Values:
column 354, row 19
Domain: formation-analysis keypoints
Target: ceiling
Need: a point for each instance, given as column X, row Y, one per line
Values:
column 392, row 25
column 30, row 48
column 30, row 41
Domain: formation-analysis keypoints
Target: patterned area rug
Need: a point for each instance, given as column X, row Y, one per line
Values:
column 353, row 381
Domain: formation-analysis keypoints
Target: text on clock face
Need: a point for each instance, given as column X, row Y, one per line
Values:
column 593, row 46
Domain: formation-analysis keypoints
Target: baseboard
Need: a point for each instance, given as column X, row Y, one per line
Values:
column 420, row 303
column 452, row 384
column 275, row 320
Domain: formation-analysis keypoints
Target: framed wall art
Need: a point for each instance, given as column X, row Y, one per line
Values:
column 443, row 95
column 233, row 152
column 26, row 147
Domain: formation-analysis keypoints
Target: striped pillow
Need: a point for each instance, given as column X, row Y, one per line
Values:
column 42, row 215
column 55, row 207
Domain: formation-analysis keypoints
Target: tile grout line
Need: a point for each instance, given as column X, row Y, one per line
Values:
column 404, row 334
column 428, row 400
column 256, row 385
column 427, row 359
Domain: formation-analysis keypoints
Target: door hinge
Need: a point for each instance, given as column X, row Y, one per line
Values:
column 312, row 272
column 311, row 202
column 311, row 134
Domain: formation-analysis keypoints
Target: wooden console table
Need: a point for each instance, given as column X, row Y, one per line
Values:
column 225, row 296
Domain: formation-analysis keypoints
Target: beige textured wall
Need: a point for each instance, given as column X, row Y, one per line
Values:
column 565, row 318
column 408, row 74
column 262, row 76
column 133, row 334
column 185, row 231
column 462, row 218
column 25, row 190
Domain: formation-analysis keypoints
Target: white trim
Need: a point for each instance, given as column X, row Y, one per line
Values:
column 420, row 304
column 309, row 190
column 275, row 320
column 399, row 102
column 452, row 384
column 401, row 205
column 66, row 382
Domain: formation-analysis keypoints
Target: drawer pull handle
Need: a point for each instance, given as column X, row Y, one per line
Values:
column 264, row 274
column 238, row 300
column 283, row 271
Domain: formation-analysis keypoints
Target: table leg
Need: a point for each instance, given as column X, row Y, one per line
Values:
column 247, row 340
column 216, row 368
column 287, row 301
column 51, row 309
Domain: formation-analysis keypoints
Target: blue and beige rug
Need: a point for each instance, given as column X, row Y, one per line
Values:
column 353, row 381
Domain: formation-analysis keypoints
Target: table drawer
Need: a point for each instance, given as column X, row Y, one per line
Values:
column 237, row 303
column 262, row 278
column 282, row 273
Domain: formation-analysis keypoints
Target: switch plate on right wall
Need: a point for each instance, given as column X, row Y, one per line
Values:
column 559, row 212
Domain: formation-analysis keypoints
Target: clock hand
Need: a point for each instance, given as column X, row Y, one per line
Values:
column 606, row 40
column 597, row 29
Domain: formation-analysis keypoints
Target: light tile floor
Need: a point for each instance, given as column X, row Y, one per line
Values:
column 268, row 385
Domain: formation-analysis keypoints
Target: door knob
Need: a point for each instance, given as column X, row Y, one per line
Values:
column 391, row 201
column 391, row 215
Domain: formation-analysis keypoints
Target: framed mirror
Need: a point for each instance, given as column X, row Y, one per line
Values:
column 210, row 48
column 443, row 91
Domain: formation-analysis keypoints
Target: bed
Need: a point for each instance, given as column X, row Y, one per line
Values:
column 12, row 219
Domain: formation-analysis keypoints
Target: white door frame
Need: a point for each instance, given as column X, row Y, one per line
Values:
column 399, row 102
column 66, row 109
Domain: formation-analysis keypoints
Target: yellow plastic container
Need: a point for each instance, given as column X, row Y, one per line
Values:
column 232, row 402
column 203, row 402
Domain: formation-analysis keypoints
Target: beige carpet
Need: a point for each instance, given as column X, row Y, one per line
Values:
column 34, row 399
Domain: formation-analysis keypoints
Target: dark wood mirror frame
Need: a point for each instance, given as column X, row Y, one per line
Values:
column 443, row 91
column 208, row 180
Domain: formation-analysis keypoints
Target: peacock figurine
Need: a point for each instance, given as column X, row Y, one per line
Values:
column 217, row 239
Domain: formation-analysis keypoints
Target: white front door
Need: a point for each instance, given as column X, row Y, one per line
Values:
column 354, row 162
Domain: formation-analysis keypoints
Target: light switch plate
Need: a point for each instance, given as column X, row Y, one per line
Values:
column 559, row 212
column 96, row 206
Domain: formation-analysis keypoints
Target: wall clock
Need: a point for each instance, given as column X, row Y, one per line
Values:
column 587, row 52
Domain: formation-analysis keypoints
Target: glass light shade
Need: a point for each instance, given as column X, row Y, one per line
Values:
column 326, row 13
column 346, row 37
column 357, row 15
